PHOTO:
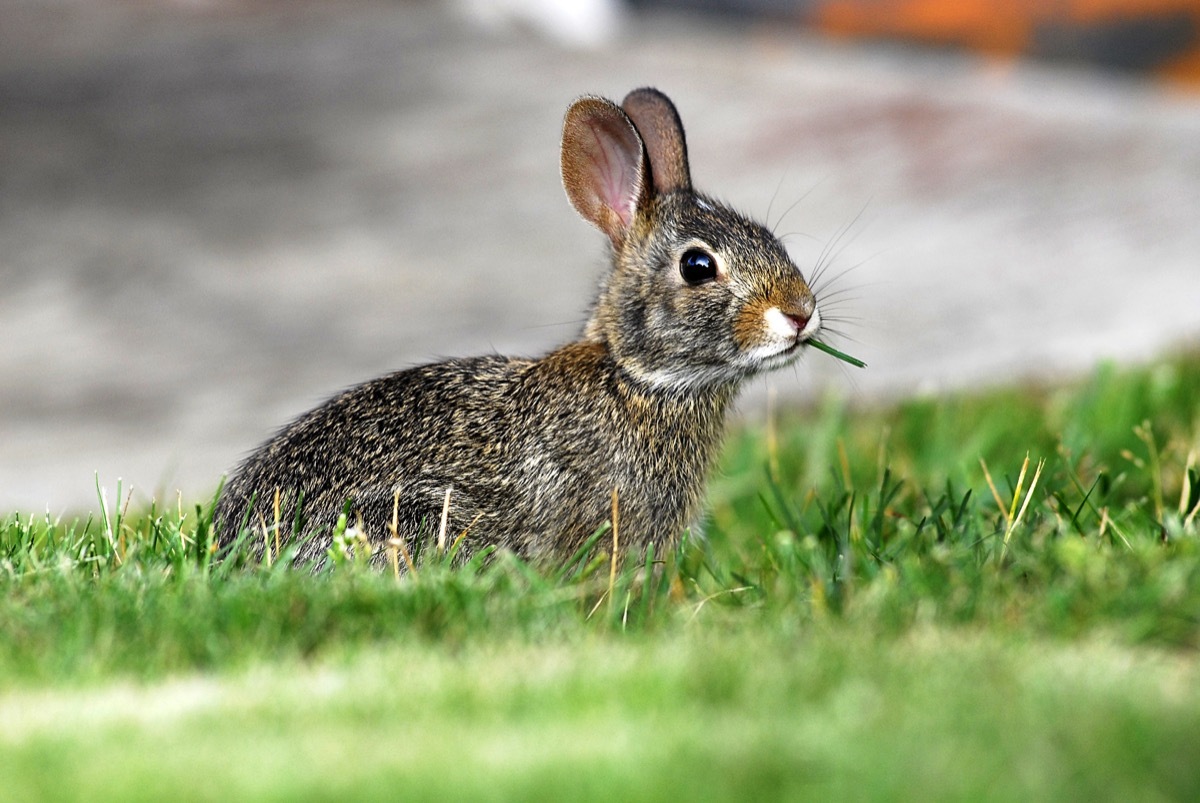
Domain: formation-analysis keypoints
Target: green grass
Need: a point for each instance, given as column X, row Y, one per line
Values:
column 841, row 355
column 866, row 619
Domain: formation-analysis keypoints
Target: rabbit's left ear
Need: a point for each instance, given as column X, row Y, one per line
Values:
column 662, row 131
column 604, row 166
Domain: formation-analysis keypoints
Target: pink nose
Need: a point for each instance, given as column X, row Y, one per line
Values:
column 799, row 320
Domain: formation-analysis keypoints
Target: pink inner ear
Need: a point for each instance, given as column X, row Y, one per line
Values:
column 614, row 157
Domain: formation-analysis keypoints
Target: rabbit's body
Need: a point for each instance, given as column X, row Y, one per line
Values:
column 543, row 489
column 698, row 299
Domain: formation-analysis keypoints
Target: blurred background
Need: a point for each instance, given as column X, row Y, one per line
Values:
column 216, row 213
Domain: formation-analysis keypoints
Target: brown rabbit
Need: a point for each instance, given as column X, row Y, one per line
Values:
column 698, row 298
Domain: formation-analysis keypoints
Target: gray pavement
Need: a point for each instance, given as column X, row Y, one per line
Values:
column 212, row 217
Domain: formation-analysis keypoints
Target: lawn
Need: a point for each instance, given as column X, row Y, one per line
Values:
column 988, row 596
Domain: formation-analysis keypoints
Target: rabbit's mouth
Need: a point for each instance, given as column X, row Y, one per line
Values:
column 784, row 357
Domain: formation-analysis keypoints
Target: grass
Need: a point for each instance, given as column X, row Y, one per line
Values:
column 986, row 596
column 706, row 715
column 841, row 355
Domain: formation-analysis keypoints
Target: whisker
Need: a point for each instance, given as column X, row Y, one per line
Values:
column 836, row 320
column 825, row 295
column 835, row 247
column 578, row 322
column 842, row 336
column 790, row 234
column 841, row 274
column 788, row 211
column 771, row 202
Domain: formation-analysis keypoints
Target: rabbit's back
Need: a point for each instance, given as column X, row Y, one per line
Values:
column 412, row 431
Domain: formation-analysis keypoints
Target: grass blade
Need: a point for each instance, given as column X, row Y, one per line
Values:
column 841, row 355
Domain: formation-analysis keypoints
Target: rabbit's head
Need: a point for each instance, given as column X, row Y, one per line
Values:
column 698, row 296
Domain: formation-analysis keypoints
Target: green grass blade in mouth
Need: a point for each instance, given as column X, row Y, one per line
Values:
column 819, row 346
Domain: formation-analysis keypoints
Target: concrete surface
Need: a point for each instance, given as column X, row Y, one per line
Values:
column 214, row 216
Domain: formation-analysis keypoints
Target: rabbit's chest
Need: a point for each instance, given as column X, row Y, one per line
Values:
column 562, row 484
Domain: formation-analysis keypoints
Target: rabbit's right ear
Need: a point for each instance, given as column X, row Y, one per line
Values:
column 604, row 166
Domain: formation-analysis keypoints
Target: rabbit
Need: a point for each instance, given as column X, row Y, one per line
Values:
column 697, row 299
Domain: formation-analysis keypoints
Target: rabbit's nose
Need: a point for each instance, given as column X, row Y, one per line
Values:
column 806, row 325
column 798, row 319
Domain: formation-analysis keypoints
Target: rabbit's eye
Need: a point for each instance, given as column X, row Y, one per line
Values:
column 697, row 266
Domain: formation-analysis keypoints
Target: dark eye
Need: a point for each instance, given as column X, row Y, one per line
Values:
column 697, row 266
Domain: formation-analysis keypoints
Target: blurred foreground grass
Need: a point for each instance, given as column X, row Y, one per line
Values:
column 884, row 605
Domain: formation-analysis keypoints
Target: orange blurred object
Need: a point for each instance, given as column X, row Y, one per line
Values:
column 1157, row 36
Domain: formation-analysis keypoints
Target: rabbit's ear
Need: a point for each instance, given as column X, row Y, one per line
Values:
column 659, row 125
column 604, row 166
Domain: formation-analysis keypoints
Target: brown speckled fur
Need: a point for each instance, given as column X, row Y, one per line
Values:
column 532, row 449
